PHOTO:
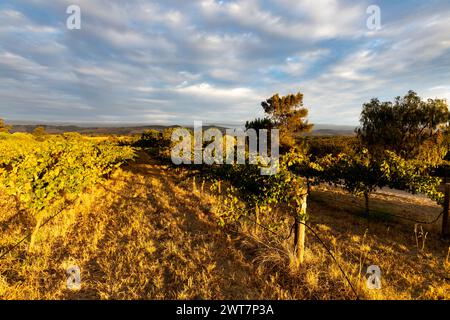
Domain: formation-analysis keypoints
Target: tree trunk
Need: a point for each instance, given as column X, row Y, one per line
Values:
column 366, row 202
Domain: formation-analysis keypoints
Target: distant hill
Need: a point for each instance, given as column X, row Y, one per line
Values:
column 59, row 129
column 332, row 130
column 318, row 130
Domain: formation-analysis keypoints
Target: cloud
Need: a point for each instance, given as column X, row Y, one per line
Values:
column 300, row 19
column 178, row 61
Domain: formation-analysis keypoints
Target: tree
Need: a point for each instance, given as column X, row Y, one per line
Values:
column 358, row 173
column 264, row 192
column 288, row 115
column 39, row 133
column 320, row 146
column 361, row 174
column 409, row 126
column 257, row 124
column 4, row 127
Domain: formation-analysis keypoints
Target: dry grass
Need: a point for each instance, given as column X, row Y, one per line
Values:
column 146, row 234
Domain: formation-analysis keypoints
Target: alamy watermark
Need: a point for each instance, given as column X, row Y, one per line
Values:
column 237, row 146
column 373, row 274
column 73, row 22
column 74, row 278
column 374, row 20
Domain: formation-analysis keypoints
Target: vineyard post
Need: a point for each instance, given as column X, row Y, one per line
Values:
column 300, row 231
column 256, row 218
column 445, row 217
column 366, row 202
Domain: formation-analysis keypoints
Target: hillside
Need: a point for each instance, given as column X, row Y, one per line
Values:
column 150, row 232
column 59, row 129
column 318, row 130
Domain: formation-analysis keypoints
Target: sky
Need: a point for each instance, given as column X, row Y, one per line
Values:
column 175, row 62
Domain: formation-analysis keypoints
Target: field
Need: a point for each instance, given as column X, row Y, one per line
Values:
column 238, row 157
column 149, row 231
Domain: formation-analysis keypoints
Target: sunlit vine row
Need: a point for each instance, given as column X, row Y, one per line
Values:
column 37, row 173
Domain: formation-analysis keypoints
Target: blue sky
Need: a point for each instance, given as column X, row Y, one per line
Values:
column 170, row 61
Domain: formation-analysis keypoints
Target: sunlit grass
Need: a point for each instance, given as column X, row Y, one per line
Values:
column 147, row 234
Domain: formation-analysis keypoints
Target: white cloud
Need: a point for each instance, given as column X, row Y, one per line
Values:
column 309, row 19
column 214, row 60
column 207, row 91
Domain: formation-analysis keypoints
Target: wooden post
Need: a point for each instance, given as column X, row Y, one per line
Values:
column 300, row 232
column 194, row 185
column 299, row 240
column 256, row 219
column 366, row 203
column 446, row 214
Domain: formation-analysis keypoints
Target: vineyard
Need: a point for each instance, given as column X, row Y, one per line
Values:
column 138, row 226
column 43, row 177
column 220, row 159
column 38, row 173
column 144, row 228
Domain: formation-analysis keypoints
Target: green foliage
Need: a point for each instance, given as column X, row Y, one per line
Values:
column 319, row 147
column 288, row 115
column 358, row 173
column 38, row 173
column 361, row 173
column 410, row 176
column 150, row 139
column 265, row 191
column 39, row 133
column 231, row 208
column 257, row 124
column 157, row 143
column 409, row 126
column 400, row 141
column 4, row 127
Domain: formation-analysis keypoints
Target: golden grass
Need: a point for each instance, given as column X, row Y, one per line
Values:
column 148, row 233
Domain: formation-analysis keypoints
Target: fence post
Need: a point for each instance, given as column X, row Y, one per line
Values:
column 194, row 185
column 445, row 216
column 300, row 232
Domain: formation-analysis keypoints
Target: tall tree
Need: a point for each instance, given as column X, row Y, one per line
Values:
column 257, row 124
column 3, row 126
column 288, row 115
column 409, row 126
column 39, row 133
